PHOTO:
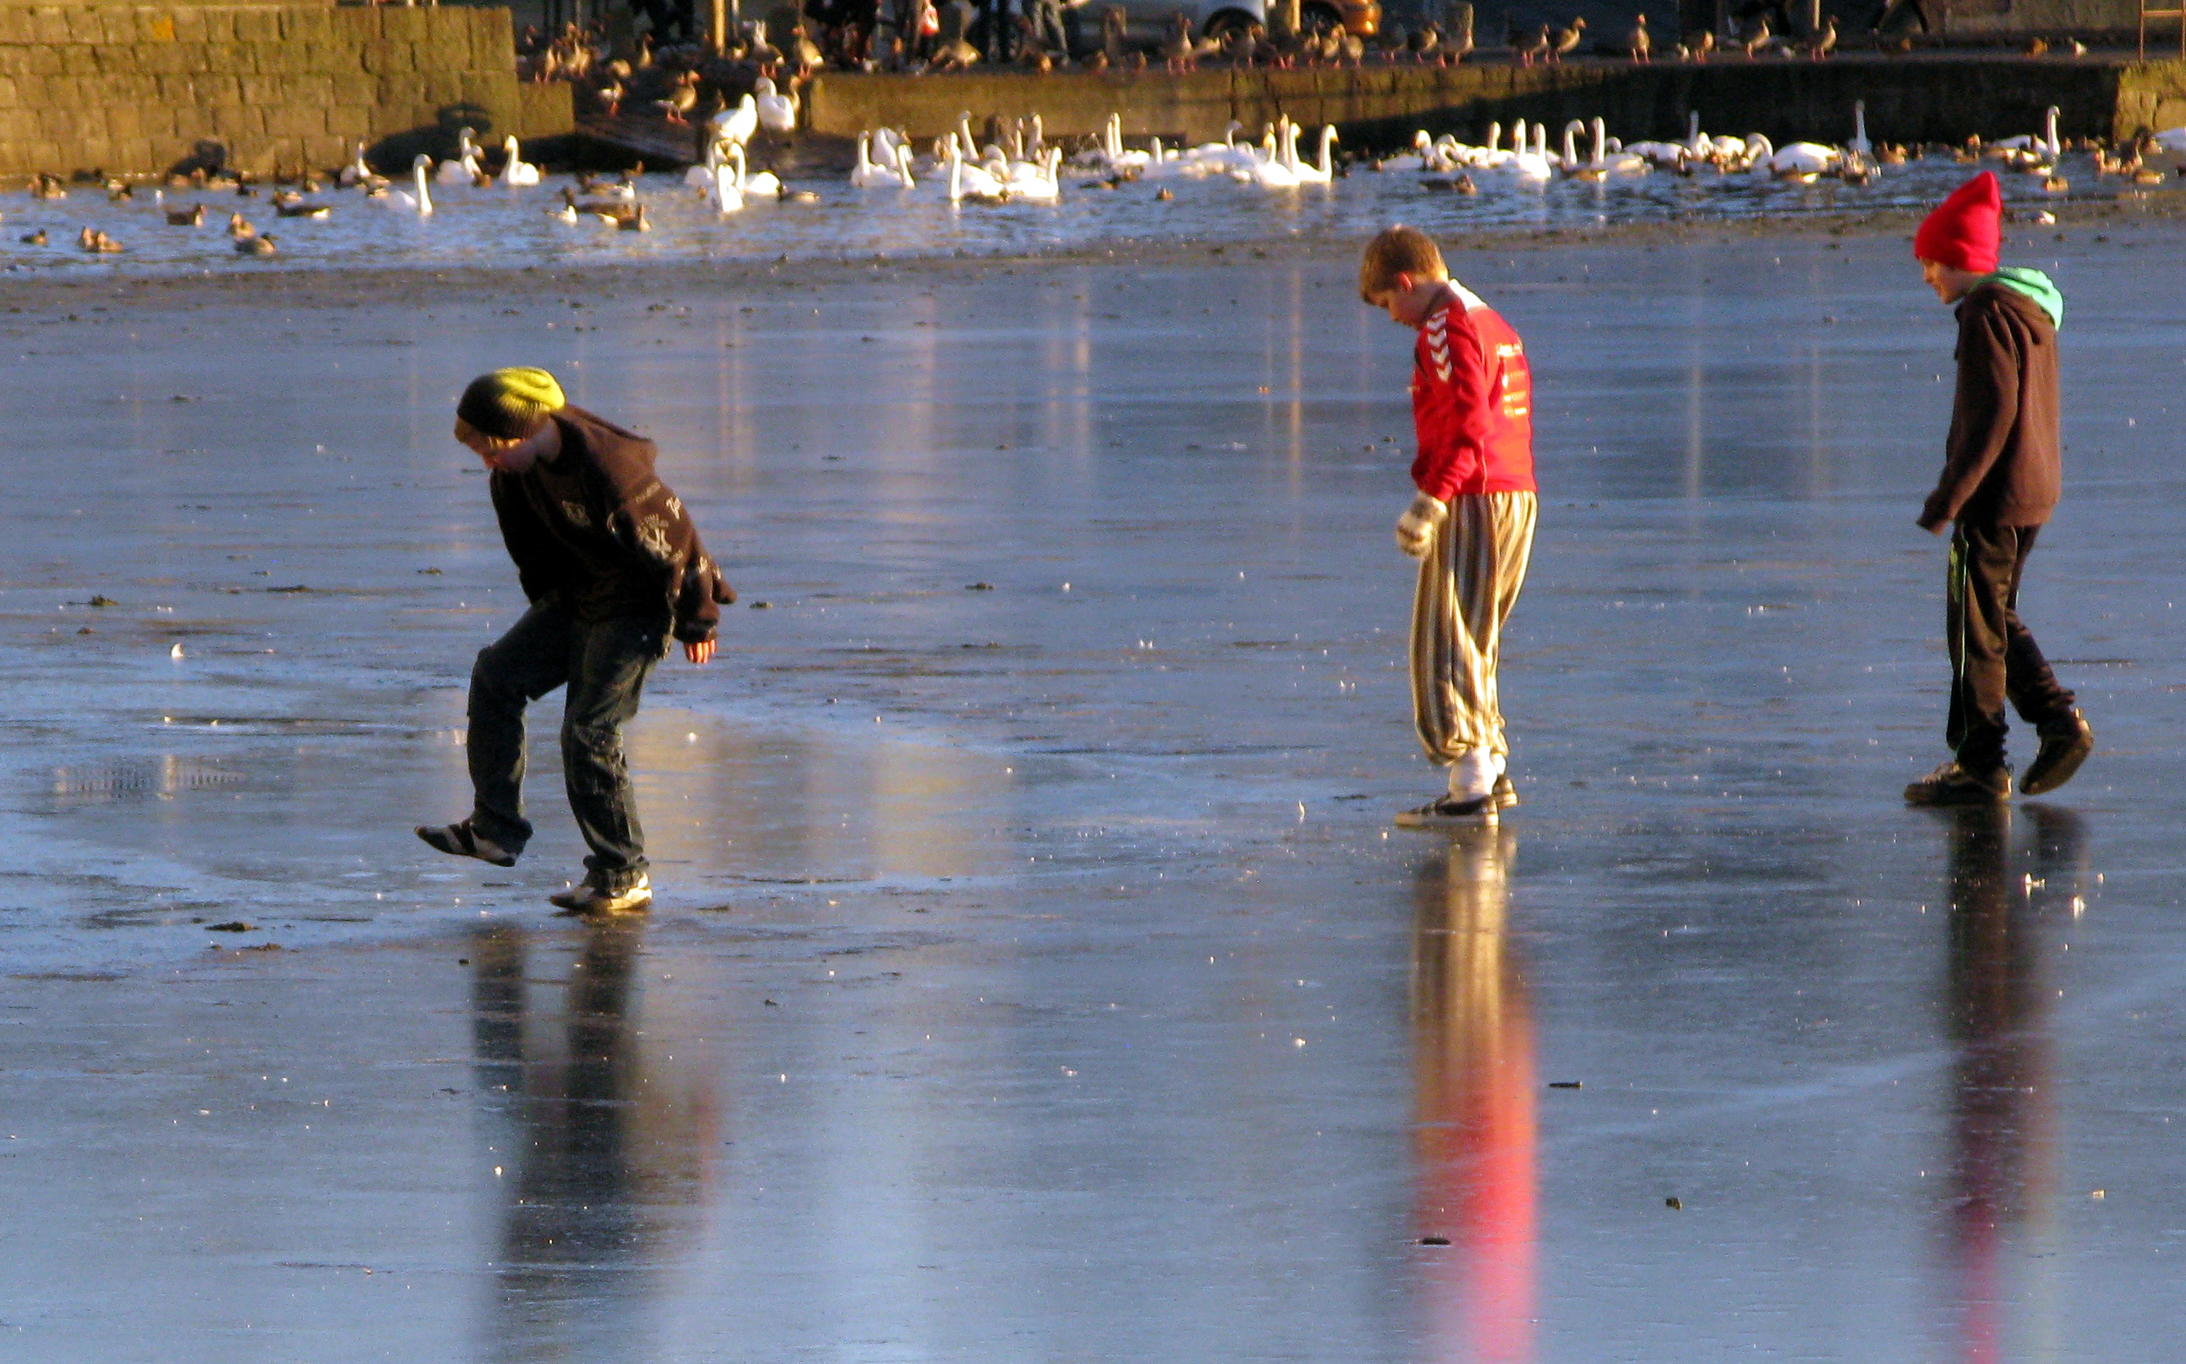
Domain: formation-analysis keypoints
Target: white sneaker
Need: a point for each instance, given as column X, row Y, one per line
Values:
column 1473, row 775
column 586, row 898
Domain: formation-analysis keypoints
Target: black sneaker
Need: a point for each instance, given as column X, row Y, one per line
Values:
column 1951, row 784
column 461, row 840
column 2063, row 749
column 1449, row 813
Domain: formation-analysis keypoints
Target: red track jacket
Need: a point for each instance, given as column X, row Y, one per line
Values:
column 1472, row 402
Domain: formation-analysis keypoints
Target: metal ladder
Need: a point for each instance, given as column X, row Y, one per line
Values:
column 2175, row 12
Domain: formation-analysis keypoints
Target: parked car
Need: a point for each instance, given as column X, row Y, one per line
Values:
column 1147, row 22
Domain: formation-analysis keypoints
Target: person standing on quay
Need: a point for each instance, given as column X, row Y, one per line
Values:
column 1470, row 521
column 2002, row 473
column 612, row 567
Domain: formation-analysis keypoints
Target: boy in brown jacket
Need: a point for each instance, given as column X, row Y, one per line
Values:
column 2001, row 477
column 612, row 567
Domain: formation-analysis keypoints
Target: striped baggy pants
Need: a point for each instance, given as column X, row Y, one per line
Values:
column 1468, row 584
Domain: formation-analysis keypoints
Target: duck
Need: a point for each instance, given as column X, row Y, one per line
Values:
column 681, row 99
column 47, row 186
column 1639, row 44
column 239, row 226
column 37, row 238
column 516, row 172
column 635, row 220
column 193, row 216
column 1564, row 41
column 260, row 244
column 297, row 207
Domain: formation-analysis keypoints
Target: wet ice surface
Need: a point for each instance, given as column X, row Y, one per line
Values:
column 500, row 226
column 1035, row 975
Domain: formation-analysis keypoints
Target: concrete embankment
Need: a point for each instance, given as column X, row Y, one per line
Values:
column 136, row 88
column 1925, row 98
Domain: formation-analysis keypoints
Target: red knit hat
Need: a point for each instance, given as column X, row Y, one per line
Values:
column 1966, row 229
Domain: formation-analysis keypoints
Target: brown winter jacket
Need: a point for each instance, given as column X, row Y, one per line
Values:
column 596, row 526
column 2001, row 462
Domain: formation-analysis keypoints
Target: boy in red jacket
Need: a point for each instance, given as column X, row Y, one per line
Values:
column 2001, row 478
column 1470, row 522
column 613, row 568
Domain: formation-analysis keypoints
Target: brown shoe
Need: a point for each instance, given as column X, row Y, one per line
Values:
column 1951, row 784
column 586, row 898
column 2063, row 749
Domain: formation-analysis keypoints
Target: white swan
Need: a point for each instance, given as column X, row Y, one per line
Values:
column 417, row 199
column 1040, row 182
column 2045, row 146
column 1524, row 165
column 357, row 172
column 1799, row 162
column 871, row 174
column 517, row 173
column 1859, row 146
column 765, row 185
column 777, row 112
column 1623, row 163
column 733, row 127
column 976, row 183
column 1574, row 168
column 1268, row 170
column 1321, row 172
column 462, row 168
column 1420, row 158
column 727, row 195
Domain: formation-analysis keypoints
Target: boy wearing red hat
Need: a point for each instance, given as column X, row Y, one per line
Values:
column 2001, row 475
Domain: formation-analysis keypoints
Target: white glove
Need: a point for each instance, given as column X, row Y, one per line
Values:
column 1416, row 528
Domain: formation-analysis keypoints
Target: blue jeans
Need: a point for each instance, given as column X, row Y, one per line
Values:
column 604, row 664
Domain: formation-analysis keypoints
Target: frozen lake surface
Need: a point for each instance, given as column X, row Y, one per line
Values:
column 504, row 227
column 1036, row 974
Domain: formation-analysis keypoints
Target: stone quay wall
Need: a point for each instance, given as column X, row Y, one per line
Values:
column 1928, row 98
column 132, row 89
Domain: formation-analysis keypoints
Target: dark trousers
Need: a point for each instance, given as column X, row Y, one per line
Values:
column 1993, row 656
column 604, row 664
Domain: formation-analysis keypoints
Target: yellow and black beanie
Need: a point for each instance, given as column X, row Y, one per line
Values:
column 510, row 403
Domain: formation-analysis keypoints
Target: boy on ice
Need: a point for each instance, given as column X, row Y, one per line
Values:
column 613, row 568
column 1470, row 522
column 2001, row 478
